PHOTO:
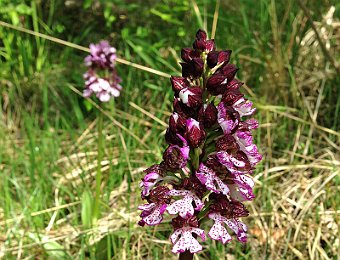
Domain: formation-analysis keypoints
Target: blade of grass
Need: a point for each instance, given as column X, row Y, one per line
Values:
column 214, row 25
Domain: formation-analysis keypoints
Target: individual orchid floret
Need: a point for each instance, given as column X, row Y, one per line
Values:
column 202, row 43
column 244, row 107
column 179, row 83
column 228, row 118
column 210, row 179
column 152, row 213
column 227, row 143
column 245, row 141
column 234, row 85
column 187, row 54
column 242, row 188
column 183, row 238
column 248, row 125
column 184, row 207
column 227, row 207
column 176, row 129
column 232, row 163
column 242, row 185
column 154, row 174
column 218, row 82
column 219, row 232
column 193, row 69
column 231, row 97
column 176, row 157
column 227, row 212
column 183, row 109
column 194, row 185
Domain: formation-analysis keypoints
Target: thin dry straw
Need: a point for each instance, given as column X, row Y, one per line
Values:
column 271, row 109
column 323, row 47
column 109, row 116
column 148, row 114
column 79, row 47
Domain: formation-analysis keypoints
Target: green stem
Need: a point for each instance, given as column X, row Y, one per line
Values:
column 100, row 148
column 196, row 159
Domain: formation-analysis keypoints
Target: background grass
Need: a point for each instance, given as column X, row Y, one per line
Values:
column 48, row 134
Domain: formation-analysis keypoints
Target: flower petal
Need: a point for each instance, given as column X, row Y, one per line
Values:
column 152, row 215
column 218, row 232
column 208, row 177
column 186, row 241
column 184, row 207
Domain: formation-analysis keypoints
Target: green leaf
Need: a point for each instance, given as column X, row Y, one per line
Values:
column 14, row 17
column 86, row 209
column 87, row 4
column 88, row 105
column 23, row 9
column 52, row 248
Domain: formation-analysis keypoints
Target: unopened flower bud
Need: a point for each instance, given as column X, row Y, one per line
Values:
column 200, row 42
column 234, row 85
column 192, row 97
column 217, row 57
column 231, row 97
column 179, row 83
column 210, row 45
column 187, row 54
column 216, row 84
column 193, row 68
column 177, row 124
column 229, row 71
column 194, row 133
column 208, row 115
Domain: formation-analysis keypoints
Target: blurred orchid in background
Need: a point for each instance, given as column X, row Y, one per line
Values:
column 101, row 78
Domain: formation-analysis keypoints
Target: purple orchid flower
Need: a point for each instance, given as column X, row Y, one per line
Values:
column 102, row 59
column 184, row 206
column 152, row 213
column 211, row 153
column 182, row 237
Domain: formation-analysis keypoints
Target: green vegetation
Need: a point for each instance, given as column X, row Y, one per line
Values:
column 48, row 134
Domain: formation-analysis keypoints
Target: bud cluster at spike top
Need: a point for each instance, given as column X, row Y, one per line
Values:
column 101, row 77
column 206, row 169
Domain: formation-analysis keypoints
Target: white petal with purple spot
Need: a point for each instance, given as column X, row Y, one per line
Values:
column 186, row 240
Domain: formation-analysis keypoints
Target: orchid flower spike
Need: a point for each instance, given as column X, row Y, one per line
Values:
column 206, row 170
column 101, row 78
